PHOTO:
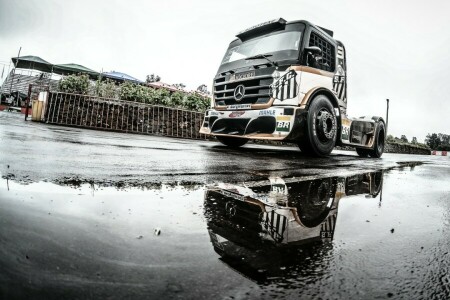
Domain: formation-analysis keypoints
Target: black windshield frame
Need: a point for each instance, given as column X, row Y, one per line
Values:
column 277, row 56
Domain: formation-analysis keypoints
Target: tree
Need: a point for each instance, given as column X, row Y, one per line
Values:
column 404, row 139
column 433, row 141
column 390, row 138
column 152, row 78
column 438, row 141
column 179, row 86
column 414, row 140
column 203, row 89
column 445, row 138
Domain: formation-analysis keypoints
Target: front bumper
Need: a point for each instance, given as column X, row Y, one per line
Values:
column 284, row 123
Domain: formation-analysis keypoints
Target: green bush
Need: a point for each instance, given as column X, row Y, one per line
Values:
column 76, row 84
column 138, row 93
column 161, row 97
column 196, row 102
column 107, row 89
column 134, row 92
column 177, row 99
column 191, row 101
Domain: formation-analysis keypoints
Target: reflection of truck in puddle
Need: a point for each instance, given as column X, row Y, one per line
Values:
column 287, row 81
column 255, row 227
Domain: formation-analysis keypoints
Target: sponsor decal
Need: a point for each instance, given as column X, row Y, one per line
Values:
column 339, row 79
column 346, row 122
column 283, row 123
column 239, row 106
column 345, row 133
column 232, row 195
column 278, row 186
column 242, row 76
column 283, row 118
column 279, row 189
column 213, row 113
column 283, row 126
column 260, row 25
column 328, row 226
column 236, row 114
column 286, row 87
column 269, row 112
column 275, row 224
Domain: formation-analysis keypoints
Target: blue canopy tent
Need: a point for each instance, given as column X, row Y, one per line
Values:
column 121, row 77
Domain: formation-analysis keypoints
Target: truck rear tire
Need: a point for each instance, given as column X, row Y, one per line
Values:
column 321, row 128
column 378, row 147
column 231, row 141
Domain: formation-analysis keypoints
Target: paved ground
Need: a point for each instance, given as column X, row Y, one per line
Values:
column 79, row 210
column 36, row 152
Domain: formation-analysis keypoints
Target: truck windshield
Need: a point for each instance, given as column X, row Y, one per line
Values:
column 286, row 40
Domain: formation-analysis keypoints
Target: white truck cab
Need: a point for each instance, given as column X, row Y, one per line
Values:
column 286, row 81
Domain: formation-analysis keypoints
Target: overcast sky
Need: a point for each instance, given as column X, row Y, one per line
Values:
column 395, row 49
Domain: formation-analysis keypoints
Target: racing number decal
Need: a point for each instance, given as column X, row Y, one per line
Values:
column 345, row 132
column 283, row 123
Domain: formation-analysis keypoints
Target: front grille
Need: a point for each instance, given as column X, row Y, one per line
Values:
column 248, row 219
column 257, row 88
column 233, row 214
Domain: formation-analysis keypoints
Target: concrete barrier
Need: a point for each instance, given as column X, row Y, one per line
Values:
column 439, row 153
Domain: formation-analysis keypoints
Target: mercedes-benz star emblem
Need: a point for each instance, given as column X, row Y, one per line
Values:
column 230, row 209
column 239, row 92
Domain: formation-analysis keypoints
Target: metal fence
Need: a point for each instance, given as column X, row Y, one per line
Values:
column 123, row 116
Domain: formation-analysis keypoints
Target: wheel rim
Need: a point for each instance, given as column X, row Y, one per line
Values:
column 325, row 125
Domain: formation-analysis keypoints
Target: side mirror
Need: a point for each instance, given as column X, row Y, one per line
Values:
column 314, row 50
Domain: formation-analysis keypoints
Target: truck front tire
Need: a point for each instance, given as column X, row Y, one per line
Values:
column 231, row 141
column 321, row 128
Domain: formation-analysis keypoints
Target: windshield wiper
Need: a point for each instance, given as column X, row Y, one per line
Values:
column 263, row 56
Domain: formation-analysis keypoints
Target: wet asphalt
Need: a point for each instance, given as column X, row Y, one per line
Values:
column 87, row 214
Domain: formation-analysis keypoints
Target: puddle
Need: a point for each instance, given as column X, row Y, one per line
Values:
column 269, row 231
column 367, row 235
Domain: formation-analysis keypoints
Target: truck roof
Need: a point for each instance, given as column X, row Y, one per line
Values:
column 324, row 31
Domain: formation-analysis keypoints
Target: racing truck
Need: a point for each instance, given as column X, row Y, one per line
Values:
column 287, row 81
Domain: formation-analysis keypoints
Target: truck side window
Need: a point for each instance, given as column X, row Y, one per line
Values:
column 327, row 61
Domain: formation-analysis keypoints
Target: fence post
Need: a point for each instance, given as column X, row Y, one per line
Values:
column 59, row 109
column 78, row 108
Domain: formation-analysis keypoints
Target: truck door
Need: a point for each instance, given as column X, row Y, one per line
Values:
column 340, row 77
